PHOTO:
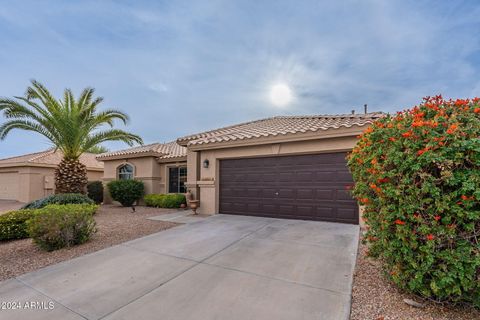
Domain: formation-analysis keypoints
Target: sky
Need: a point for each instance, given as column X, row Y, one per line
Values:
column 180, row 67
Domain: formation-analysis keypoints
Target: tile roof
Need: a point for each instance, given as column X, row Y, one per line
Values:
column 50, row 157
column 167, row 150
column 280, row 125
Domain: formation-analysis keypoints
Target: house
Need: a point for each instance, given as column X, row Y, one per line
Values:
column 285, row 167
column 29, row 177
column 161, row 166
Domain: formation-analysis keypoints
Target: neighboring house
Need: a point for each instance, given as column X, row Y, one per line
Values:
column 285, row 167
column 31, row 176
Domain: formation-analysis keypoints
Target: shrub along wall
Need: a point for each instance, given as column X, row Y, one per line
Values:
column 95, row 191
column 13, row 224
column 418, row 175
column 165, row 200
column 60, row 198
column 127, row 192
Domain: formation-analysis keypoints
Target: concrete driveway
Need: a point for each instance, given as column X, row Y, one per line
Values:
column 224, row 267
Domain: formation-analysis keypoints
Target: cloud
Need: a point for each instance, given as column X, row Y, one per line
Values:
column 185, row 66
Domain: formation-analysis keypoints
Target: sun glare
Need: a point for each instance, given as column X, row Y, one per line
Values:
column 280, row 95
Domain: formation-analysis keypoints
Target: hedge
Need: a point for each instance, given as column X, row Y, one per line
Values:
column 417, row 173
column 165, row 200
column 13, row 224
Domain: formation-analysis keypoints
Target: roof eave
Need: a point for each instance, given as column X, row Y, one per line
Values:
column 172, row 159
column 352, row 131
column 39, row 165
column 130, row 156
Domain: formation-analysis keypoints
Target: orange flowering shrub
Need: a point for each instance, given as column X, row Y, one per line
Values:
column 417, row 173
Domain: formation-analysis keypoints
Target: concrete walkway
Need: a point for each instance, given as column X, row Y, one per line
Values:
column 224, row 267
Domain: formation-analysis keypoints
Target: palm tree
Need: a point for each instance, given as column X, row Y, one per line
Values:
column 72, row 125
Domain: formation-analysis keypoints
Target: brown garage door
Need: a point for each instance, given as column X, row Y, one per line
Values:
column 308, row 187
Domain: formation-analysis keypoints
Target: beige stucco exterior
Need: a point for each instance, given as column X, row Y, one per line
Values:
column 203, row 182
column 28, row 183
column 148, row 169
column 206, row 185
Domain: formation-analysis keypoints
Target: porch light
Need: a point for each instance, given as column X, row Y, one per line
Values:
column 206, row 163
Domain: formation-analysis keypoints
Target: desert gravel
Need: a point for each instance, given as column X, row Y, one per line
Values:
column 114, row 224
column 375, row 298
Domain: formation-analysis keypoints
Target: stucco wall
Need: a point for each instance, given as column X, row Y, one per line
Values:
column 147, row 169
column 37, row 182
column 208, row 178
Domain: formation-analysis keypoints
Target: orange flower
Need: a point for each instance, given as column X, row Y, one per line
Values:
column 452, row 128
column 476, row 110
column 420, row 152
column 437, row 218
column 392, row 139
column 374, row 161
column 399, row 222
column 430, row 237
column 364, row 200
column 407, row 134
column 461, row 102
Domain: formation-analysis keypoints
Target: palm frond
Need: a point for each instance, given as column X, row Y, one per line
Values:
column 74, row 126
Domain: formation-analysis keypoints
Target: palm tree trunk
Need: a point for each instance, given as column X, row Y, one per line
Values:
column 70, row 177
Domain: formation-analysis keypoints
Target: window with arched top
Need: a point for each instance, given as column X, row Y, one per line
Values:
column 125, row 172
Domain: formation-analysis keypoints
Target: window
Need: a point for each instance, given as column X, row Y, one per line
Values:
column 125, row 172
column 176, row 180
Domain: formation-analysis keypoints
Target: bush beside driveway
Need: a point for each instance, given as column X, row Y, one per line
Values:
column 224, row 267
column 375, row 297
column 115, row 225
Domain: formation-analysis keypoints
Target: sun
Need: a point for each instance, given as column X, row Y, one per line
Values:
column 281, row 95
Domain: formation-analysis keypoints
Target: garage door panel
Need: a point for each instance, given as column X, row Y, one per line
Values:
column 346, row 213
column 325, row 212
column 287, row 193
column 304, row 194
column 295, row 187
column 325, row 194
column 9, row 185
column 269, row 208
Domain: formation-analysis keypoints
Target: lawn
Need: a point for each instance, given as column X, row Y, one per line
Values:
column 115, row 225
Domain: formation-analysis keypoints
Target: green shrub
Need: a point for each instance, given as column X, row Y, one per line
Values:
column 95, row 191
column 153, row 200
column 13, row 225
column 126, row 191
column 418, row 175
column 61, row 198
column 58, row 226
column 165, row 200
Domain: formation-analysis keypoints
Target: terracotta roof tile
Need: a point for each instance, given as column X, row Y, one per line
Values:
column 281, row 125
column 51, row 157
column 167, row 150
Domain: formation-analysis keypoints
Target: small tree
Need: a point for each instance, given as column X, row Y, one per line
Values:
column 418, row 175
